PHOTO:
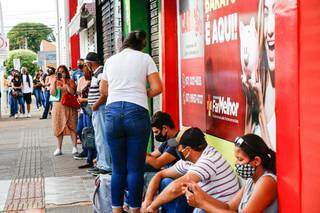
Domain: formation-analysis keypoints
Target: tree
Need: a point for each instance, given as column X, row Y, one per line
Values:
column 29, row 36
column 27, row 58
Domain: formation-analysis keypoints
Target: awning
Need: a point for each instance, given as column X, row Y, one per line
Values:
column 80, row 20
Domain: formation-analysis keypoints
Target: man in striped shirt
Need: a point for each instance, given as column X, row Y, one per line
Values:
column 200, row 163
column 97, row 103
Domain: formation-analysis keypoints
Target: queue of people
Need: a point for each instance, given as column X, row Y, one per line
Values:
column 106, row 108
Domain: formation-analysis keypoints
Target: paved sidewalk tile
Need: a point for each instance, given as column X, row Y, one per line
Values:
column 67, row 191
column 4, row 188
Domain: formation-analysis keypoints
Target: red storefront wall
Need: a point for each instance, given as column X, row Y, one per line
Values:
column 74, row 39
column 170, row 95
column 297, row 99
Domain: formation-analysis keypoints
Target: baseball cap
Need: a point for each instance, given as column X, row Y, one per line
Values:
column 189, row 136
column 92, row 56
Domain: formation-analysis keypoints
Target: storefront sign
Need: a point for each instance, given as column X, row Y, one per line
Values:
column 192, row 76
column 233, row 78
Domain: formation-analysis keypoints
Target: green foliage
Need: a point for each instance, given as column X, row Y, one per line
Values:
column 26, row 58
column 29, row 36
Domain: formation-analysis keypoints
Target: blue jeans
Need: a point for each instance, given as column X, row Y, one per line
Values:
column 178, row 205
column 12, row 104
column 103, row 151
column 85, row 121
column 47, row 104
column 18, row 101
column 128, row 130
column 39, row 97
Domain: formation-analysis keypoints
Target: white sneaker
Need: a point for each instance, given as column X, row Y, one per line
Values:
column 28, row 115
column 16, row 116
column 74, row 150
column 57, row 152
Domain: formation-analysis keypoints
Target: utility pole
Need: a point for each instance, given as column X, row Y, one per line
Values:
column 1, row 19
column 1, row 62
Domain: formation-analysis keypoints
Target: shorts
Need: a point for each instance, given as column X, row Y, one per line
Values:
column 27, row 97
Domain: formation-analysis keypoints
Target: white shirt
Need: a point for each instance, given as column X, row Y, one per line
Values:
column 126, row 74
column 25, row 87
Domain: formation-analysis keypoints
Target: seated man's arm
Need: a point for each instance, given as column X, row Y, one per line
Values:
column 156, row 153
column 161, row 161
column 155, row 183
column 174, row 190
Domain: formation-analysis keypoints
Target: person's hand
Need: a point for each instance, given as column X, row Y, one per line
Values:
column 152, row 209
column 194, row 194
column 94, row 108
column 257, row 91
column 145, row 206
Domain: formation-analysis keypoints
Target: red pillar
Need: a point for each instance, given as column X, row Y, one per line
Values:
column 74, row 39
column 170, row 95
column 309, row 82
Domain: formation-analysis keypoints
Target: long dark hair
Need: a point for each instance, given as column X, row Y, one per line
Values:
column 136, row 40
column 65, row 70
column 254, row 146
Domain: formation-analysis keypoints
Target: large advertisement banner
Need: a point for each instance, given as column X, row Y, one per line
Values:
column 192, row 76
column 239, row 67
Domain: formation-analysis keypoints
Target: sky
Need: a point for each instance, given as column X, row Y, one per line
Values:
column 17, row 11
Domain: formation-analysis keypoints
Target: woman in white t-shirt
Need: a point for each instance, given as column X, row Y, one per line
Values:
column 27, row 88
column 124, row 81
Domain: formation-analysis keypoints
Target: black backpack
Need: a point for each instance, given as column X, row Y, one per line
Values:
column 88, row 137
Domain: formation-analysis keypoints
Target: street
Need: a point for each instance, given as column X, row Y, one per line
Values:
column 32, row 178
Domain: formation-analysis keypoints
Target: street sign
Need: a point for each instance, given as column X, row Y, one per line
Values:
column 4, row 47
column 16, row 64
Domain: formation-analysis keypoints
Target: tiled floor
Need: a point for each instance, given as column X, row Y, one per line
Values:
column 26, row 147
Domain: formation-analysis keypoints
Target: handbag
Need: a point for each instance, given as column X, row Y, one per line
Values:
column 57, row 97
column 88, row 137
column 70, row 101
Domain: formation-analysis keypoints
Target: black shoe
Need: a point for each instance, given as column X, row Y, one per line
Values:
column 42, row 118
column 100, row 172
column 94, row 169
column 85, row 166
column 81, row 156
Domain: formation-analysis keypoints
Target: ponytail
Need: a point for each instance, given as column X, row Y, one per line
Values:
column 253, row 146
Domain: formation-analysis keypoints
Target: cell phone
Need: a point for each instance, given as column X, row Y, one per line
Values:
column 59, row 75
column 190, row 189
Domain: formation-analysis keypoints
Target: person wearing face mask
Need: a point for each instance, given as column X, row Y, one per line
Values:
column 200, row 163
column 85, row 117
column 46, row 79
column 76, row 75
column 17, row 86
column 256, row 164
column 27, row 88
column 96, row 101
column 64, row 118
column 164, row 130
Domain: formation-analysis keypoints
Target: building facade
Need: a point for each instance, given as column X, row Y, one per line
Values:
column 199, row 46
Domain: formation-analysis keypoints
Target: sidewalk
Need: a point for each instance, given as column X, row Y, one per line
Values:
column 32, row 178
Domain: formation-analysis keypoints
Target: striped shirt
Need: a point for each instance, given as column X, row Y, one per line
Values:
column 94, row 93
column 217, row 176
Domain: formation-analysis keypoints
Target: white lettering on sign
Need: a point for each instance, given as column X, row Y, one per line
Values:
column 225, row 106
column 193, row 81
column 193, row 98
column 222, row 30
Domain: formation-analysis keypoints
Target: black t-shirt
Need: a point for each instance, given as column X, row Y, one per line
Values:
column 164, row 147
column 17, row 83
column 36, row 81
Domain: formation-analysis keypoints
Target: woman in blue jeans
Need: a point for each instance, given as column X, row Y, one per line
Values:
column 124, row 81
